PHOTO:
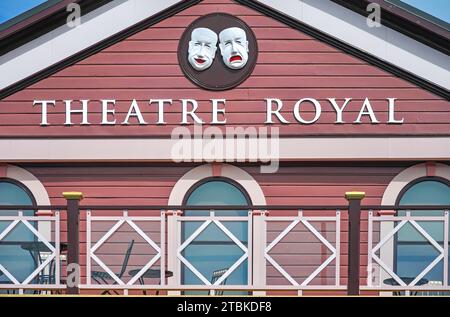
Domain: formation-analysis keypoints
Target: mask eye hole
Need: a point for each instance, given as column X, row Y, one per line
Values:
column 208, row 45
column 228, row 43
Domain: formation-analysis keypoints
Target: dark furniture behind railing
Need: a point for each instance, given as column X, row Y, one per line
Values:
column 353, row 207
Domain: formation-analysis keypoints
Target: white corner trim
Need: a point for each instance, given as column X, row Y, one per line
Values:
column 237, row 174
column 288, row 149
column 382, row 42
column 64, row 41
column 38, row 191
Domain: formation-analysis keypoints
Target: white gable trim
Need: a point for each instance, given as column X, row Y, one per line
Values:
column 383, row 42
column 64, row 41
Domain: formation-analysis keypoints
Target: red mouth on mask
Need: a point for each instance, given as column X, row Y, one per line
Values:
column 200, row 61
column 235, row 58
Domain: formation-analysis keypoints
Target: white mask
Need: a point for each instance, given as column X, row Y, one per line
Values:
column 202, row 48
column 234, row 47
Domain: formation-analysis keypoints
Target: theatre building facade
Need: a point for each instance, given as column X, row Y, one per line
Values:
column 224, row 147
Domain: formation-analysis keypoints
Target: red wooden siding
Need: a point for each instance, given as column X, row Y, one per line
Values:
column 291, row 66
column 149, row 184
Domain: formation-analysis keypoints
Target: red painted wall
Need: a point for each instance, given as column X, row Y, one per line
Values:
column 291, row 66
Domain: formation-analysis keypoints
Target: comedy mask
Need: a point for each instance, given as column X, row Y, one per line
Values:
column 234, row 47
column 202, row 48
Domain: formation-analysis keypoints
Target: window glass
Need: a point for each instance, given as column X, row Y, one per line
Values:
column 213, row 250
column 413, row 251
column 16, row 260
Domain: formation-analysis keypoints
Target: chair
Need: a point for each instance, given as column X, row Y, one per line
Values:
column 217, row 275
column 103, row 276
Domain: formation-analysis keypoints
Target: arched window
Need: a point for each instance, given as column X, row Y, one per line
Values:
column 413, row 252
column 16, row 260
column 213, row 250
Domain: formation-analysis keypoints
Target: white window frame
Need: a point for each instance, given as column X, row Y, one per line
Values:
column 246, row 181
column 395, row 187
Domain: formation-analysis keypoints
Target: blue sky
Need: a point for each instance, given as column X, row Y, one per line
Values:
column 439, row 8
column 11, row 8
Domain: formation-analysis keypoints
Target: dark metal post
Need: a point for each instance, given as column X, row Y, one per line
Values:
column 73, row 243
column 354, row 222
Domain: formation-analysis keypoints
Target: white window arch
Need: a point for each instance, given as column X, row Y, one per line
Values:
column 209, row 171
column 237, row 174
column 37, row 189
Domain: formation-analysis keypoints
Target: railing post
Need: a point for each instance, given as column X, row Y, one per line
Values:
column 173, row 264
column 73, row 243
column 259, row 248
column 354, row 222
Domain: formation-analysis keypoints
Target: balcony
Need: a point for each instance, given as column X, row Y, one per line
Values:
column 222, row 250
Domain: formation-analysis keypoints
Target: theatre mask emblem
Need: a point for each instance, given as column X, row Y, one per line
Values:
column 217, row 51
column 202, row 48
column 234, row 47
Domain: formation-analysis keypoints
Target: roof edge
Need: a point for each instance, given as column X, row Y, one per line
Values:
column 42, row 23
column 174, row 9
column 258, row 6
column 404, row 22
column 313, row 32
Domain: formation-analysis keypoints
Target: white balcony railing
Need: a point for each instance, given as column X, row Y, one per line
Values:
column 286, row 250
column 382, row 230
column 43, row 251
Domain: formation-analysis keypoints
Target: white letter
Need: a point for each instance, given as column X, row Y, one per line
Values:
column 339, row 110
column 374, row 19
column 216, row 111
column 369, row 112
column 74, row 19
column 392, row 112
column 44, row 104
column 271, row 112
column 83, row 111
column 317, row 107
column 181, row 150
column 106, row 111
column 194, row 103
column 213, row 146
column 161, row 108
column 73, row 275
column 134, row 112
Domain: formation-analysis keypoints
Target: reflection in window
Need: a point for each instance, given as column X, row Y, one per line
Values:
column 413, row 251
column 213, row 250
column 16, row 260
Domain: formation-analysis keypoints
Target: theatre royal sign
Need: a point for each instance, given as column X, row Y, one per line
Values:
column 217, row 52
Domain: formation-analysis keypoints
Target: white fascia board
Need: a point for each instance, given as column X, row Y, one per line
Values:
column 64, row 41
column 170, row 150
column 382, row 42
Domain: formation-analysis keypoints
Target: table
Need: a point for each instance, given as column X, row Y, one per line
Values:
column 40, row 252
column 39, row 246
column 407, row 280
column 150, row 273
